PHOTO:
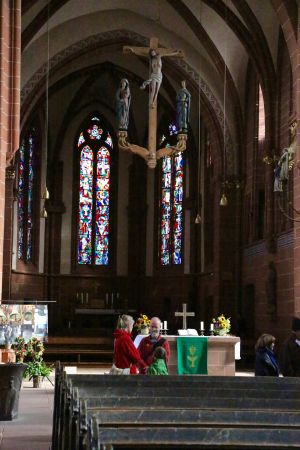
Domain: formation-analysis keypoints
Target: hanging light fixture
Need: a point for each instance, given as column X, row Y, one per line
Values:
column 198, row 219
column 224, row 200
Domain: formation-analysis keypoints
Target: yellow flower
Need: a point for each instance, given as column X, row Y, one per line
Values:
column 142, row 321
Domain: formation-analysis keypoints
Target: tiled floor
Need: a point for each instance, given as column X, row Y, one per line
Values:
column 32, row 430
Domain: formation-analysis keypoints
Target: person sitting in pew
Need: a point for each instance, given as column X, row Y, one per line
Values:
column 149, row 343
column 126, row 356
column 158, row 367
column 265, row 360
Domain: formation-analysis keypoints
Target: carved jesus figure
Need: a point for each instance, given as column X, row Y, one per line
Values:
column 155, row 55
column 155, row 77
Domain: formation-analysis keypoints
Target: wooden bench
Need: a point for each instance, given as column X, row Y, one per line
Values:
column 96, row 412
column 77, row 350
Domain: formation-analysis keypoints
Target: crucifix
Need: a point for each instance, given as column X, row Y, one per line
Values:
column 184, row 314
column 155, row 55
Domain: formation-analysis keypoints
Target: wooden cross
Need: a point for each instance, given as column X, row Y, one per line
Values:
column 154, row 81
column 184, row 314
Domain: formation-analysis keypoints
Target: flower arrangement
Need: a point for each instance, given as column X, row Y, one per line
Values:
column 32, row 351
column 35, row 348
column 20, row 348
column 221, row 325
column 142, row 322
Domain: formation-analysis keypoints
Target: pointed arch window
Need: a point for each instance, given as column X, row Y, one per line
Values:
column 94, row 145
column 26, row 182
column 171, row 204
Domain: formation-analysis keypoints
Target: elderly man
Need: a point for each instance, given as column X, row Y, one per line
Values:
column 151, row 342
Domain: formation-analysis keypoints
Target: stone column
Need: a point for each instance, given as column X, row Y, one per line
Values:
column 8, row 231
column 10, row 60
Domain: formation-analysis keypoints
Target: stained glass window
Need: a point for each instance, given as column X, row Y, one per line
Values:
column 94, row 145
column 27, row 156
column 171, row 214
column 261, row 115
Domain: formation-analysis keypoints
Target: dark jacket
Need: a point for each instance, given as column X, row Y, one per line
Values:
column 265, row 363
column 290, row 357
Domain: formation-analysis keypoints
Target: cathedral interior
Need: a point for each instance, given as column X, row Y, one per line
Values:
column 85, row 224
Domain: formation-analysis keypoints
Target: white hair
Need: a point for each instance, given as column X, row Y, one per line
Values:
column 124, row 322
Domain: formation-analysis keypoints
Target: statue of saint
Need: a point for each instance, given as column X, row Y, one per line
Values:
column 281, row 171
column 183, row 104
column 123, row 98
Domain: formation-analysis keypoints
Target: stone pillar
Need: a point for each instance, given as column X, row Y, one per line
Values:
column 10, row 61
column 8, row 231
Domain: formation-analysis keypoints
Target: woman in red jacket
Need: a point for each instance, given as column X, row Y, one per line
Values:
column 126, row 356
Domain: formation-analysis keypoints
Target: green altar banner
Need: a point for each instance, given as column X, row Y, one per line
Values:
column 192, row 355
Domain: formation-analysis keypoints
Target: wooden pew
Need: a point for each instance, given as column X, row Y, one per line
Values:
column 78, row 350
column 179, row 402
column 213, row 438
column 197, row 400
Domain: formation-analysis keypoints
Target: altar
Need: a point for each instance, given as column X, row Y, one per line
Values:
column 220, row 355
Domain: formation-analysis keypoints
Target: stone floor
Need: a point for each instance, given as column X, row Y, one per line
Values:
column 32, row 430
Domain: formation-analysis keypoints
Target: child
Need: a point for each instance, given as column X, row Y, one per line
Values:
column 158, row 367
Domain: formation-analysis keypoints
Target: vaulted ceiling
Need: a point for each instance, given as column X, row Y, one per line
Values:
column 61, row 36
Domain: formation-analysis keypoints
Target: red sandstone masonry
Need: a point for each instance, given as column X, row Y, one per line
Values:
column 10, row 40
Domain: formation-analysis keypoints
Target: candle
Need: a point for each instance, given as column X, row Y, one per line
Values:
column 69, row 324
column 81, row 295
column 201, row 325
column 87, row 297
column 106, row 298
column 211, row 327
column 165, row 325
column 77, row 296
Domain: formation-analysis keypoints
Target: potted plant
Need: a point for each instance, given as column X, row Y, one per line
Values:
column 36, row 371
column 32, row 351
